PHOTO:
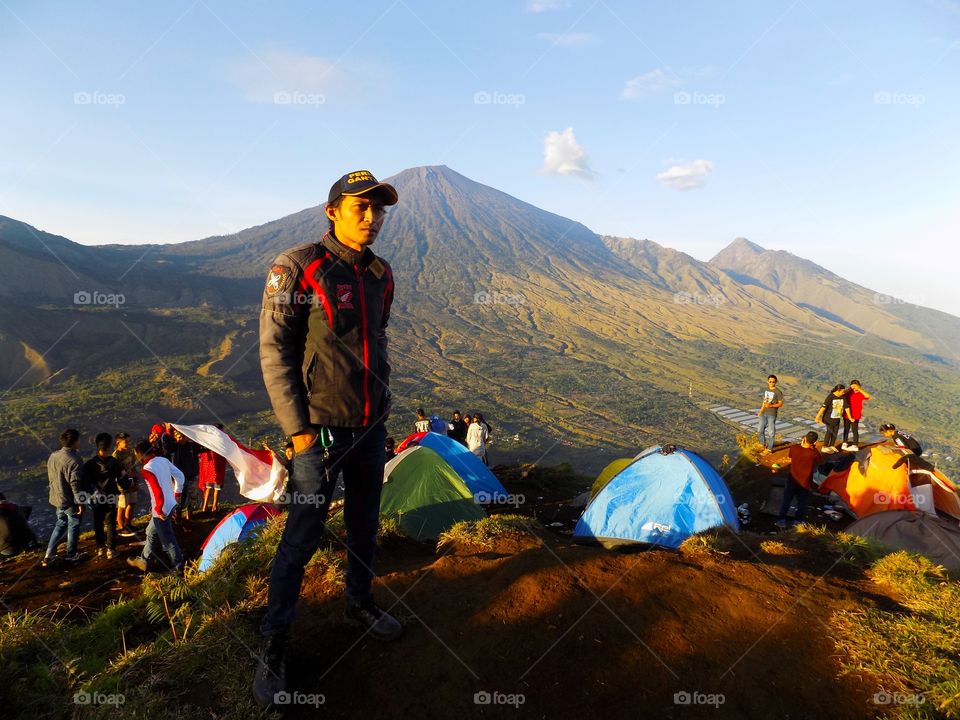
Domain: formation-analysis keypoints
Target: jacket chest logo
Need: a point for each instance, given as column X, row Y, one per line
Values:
column 344, row 296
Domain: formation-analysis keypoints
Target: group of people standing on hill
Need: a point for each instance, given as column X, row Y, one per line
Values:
column 473, row 432
column 108, row 484
column 842, row 404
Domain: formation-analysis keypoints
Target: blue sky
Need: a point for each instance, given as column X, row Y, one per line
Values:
column 826, row 129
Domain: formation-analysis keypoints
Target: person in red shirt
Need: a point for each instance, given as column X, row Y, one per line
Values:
column 852, row 412
column 803, row 460
column 212, row 471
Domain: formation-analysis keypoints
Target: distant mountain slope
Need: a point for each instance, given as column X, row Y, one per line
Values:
column 565, row 338
column 831, row 296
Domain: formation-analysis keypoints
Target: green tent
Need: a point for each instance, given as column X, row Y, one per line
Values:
column 426, row 493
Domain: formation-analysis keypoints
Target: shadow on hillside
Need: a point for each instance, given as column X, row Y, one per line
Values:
column 584, row 632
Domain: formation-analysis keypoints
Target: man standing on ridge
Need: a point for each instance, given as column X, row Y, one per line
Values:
column 769, row 409
column 323, row 352
column 64, row 474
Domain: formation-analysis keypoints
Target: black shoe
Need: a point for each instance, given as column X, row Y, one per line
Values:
column 381, row 624
column 271, row 678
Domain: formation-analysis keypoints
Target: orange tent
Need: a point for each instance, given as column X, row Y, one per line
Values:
column 886, row 477
column 879, row 480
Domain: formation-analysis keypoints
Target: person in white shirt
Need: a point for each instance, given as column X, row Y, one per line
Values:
column 165, row 483
column 477, row 436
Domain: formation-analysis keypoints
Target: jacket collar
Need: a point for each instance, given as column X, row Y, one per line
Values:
column 348, row 255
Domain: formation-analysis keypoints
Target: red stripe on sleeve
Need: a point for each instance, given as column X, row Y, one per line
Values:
column 156, row 492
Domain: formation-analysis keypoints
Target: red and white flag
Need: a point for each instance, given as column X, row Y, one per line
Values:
column 261, row 476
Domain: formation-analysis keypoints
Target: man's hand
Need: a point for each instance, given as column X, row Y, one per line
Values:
column 161, row 517
column 303, row 440
column 79, row 509
column 819, row 418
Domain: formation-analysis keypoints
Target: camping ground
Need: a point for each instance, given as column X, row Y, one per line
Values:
column 507, row 617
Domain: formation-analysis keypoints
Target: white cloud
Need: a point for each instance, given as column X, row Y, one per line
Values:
column 563, row 155
column 269, row 72
column 568, row 39
column 658, row 80
column 686, row 177
column 539, row 6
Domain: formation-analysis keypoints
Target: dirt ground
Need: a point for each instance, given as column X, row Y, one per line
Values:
column 541, row 627
column 74, row 590
column 577, row 631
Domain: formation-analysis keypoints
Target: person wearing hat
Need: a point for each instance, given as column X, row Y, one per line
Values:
column 323, row 353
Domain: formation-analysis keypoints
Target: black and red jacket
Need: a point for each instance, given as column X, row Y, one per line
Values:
column 323, row 341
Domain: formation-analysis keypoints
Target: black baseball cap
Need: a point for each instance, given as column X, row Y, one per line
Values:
column 362, row 182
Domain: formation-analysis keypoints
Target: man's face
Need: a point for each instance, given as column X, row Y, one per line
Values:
column 357, row 220
column 887, row 433
column 289, row 453
column 855, row 387
column 771, row 383
column 121, row 444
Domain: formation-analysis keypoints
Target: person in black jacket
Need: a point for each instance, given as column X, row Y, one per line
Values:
column 102, row 475
column 186, row 456
column 323, row 353
column 901, row 439
column 458, row 429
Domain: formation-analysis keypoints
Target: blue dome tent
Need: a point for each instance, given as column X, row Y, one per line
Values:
column 666, row 495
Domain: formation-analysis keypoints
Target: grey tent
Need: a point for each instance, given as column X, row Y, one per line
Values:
column 918, row 532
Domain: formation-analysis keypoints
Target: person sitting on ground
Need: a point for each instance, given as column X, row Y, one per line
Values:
column 165, row 482
column 852, row 413
column 803, row 460
column 129, row 485
column 458, row 429
column 831, row 412
column 64, row 475
column 477, row 437
column 901, row 439
column 769, row 409
column 15, row 533
column 212, row 471
column 102, row 474
column 423, row 422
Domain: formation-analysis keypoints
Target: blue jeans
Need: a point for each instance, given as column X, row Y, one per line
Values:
column 360, row 454
column 791, row 490
column 767, row 421
column 160, row 535
column 68, row 523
